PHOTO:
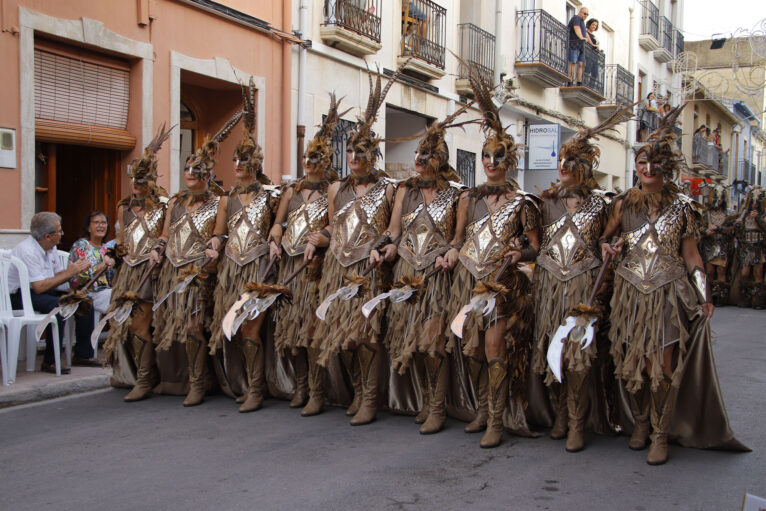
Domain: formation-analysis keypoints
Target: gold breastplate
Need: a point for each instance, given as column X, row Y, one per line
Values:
column 428, row 229
column 249, row 229
column 488, row 238
column 717, row 217
column 141, row 234
column 190, row 232
column 569, row 244
column 358, row 224
column 307, row 218
column 652, row 252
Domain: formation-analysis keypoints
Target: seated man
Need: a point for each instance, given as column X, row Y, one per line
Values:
column 38, row 251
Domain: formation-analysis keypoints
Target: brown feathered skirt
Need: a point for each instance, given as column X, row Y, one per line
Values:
column 295, row 319
column 420, row 323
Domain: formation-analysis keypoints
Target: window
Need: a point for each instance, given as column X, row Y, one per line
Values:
column 571, row 11
column 340, row 136
column 466, row 167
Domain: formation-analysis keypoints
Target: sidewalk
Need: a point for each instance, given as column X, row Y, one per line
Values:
column 38, row 386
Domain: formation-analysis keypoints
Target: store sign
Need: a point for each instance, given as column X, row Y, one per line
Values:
column 544, row 144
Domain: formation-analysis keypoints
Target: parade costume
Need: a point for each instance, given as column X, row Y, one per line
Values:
column 296, row 321
column 488, row 236
column 573, row 219
column 715, row 248
column 656, row 305
column 358, row 225
column 140, row 230
column 182, row 322
column 418, row 326
column 751, row 236
column 245, row 254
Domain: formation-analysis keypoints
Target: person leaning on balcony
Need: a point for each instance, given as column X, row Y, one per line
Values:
column 38, row 251
column 591, row 65
column 647, row 115
column 577, row 38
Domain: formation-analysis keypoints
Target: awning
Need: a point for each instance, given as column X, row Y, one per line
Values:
column 86, row 135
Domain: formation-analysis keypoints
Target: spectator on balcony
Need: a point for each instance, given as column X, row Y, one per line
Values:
column 647, row 116
column 577, row 38
column 591, row 65
column 591, row 28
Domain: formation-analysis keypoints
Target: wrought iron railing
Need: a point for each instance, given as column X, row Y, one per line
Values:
column 666, row 36
column 678, row 43
column 360, row 16
column 748, row 171
column 705, row 153
column 650, row 19
column 477, row 48
column 593, row 72
column 723, row 165
column 542, row 39
column 424, row 31
column 340, row 136
column 619, row 85
column 466, row 167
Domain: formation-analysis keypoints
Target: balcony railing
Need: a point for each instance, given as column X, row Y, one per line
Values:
column 650, row 19
column 359, row 16
column 723, row 167
column 678, row 43
column 477, row 48
column 747, row 170
column 543, row 39
column 424, row 31
column 707, row 154
column 666, row 35
column 593, row 72
column 619, row 85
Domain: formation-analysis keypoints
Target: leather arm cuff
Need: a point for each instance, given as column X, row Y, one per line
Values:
column 698, row 279
column 382, row 241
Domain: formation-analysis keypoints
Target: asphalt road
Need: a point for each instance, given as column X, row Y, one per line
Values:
column 96, row 452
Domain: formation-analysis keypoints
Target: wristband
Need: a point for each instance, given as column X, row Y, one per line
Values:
column 698, row 279
column 324, row 232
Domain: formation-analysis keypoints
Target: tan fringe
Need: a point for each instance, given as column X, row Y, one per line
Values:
column 232, row 283
column 638, row 322
column 554, row 301
column 417, row 326
column 173, row 319
column 345, row 326
column 127, row 279
column 295, row 320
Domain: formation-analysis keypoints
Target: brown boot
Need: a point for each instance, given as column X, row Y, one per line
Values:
column 437, row 374
column 196, row 356
column 143, row 353
column 477, row 372
column 639, row 406
column 661, row 411
column 498, row 395
column 417, row 362
column 300, row 365
column 369, row 367
column 253, row 351
column 577, row 406
column 352, row 368
column 559, row 429
column 316, row 386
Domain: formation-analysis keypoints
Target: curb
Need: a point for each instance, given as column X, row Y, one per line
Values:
column 54, row 390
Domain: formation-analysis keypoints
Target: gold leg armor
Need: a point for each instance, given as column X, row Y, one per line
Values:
column 143, row 354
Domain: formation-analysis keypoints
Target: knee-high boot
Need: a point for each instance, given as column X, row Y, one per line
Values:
column 437, row 374
column 351, row 363
column 300, row 366
column 639, row 407
column 498, row 395
column 369, row 368
column 316, row 385
column 477, row 372
column 143, row 354
column 577, row 406
column 418, row 365
column 559, row 429
column 663, row 402
column 253, row 351
column 196, row 356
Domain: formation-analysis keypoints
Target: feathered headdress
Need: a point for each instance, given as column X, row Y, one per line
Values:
column 364, row 142
column 201, row 163
column 248, row 153
column 660, row 147
column 716, row 197
column 319, row 149
column 143, row 170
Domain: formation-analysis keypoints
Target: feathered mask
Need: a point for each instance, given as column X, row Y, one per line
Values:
column 248, row 154
column 319, row 149
column 143, row 170
column 660, row 147
column 432, row 149
column 201, row 163
column 363, row 143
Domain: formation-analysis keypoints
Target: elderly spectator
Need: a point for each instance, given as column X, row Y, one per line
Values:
column 38, row 251
column 577, row 38
column 91, row 247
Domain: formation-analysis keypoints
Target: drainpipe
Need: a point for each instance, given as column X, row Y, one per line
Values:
column 301, row 127
column 287, row 51
column 498, row 39
column 630, row 126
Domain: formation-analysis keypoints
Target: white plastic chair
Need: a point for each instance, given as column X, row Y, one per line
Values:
column 26, row 317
